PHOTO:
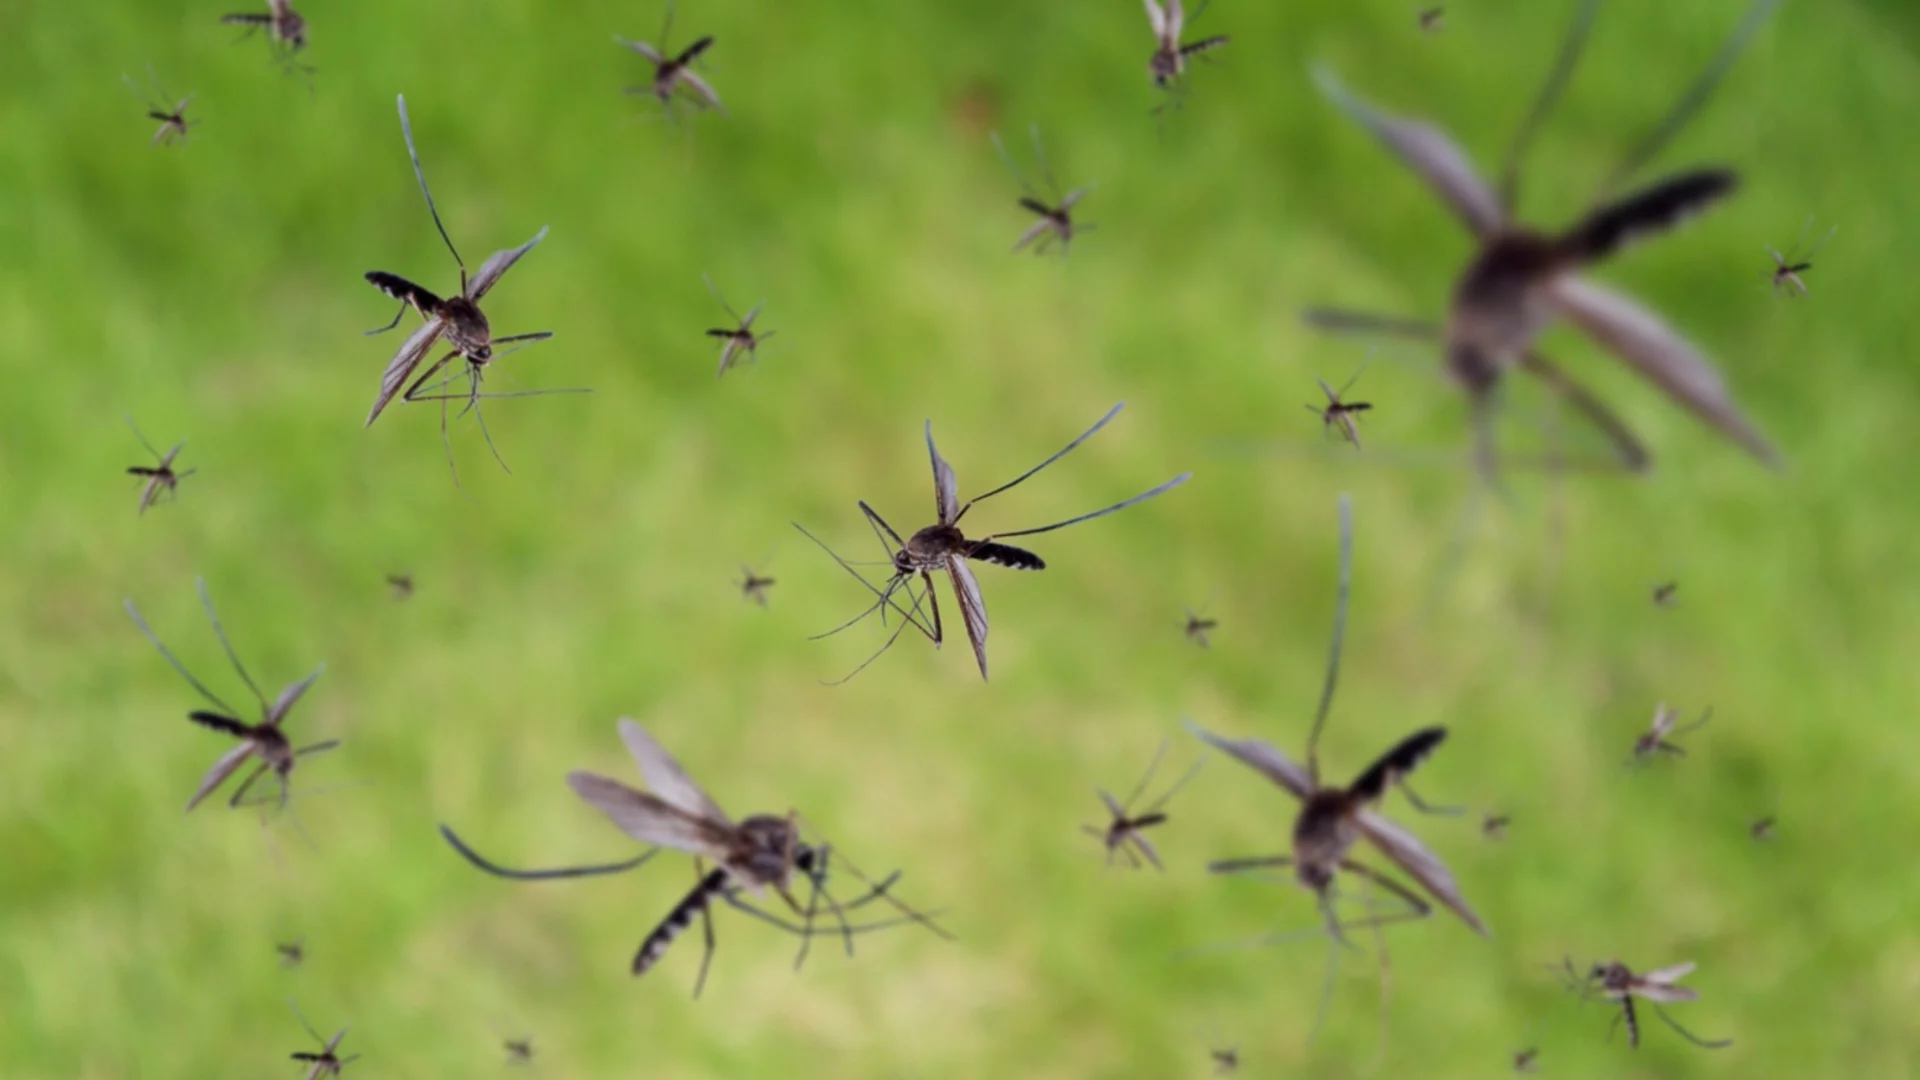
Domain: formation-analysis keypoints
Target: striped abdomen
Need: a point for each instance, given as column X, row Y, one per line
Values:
column 1005, row 555
column 677, row 920
column 422, row 300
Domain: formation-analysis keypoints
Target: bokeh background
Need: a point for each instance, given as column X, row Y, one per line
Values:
column 212, row 290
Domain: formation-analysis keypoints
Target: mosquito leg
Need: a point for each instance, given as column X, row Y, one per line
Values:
column 1427, row 808
column 397, row 316
column 1239, row 866
column 706, row 927
column 1709, row 1044
column 247, row 784
column 1633, row 455
column 497, row 870
column 1340, row 321
column 1345, row 590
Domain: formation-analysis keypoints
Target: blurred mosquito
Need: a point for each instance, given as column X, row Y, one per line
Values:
column 400, row 585
column 1520, row 280
column 741, row 336
column 1339, row 414
column 286, row 31
column 519, row 1051
column 1618, row 983
column 1168, row 65
column 1494, row 826
column 264, row 740
column 1200, row 628
column 161, row 478
column 760, row 852
column 674, row 72
column 458, row 317
column 327, row 1062
column 173, row 118
column 1430, row 20
column 1788, row 268
column 942, row 546
column 1226, row 1060
column 1054, row 213
column 1663, row 594
column 292, row 953
column 1762, row 828
column 1659, row 737
column 1527, row 1061
column 754, row 587
column 1123, row 834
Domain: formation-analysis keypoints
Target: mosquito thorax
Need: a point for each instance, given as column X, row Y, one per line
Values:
column 467, row 329
column 930, row 545
column 1164, row 67
column 768, row 846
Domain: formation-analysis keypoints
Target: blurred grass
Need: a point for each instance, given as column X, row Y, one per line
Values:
column 213, row 291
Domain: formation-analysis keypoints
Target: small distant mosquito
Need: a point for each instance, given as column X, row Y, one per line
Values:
column 458, row 317
column 1339, row 414
column 1169, row 61
column 942, row 546
column 1054, row 213
column 738, row 337
column 1430, row 20
column 1226, row 1060
column 672, row 73
column 1527, row 1061
column 1521, row 280
column 754, row 587
column 1789, row 267
column 1494, row 826
column 1617, row 983
column 760, row 852
column 519, row 1051
column 1659, row 737
column 291, row 952
column 1200, row 628
column 1663, row 595
column 401, row 586
column 264, row 740
column 286, row 30
column 161, row 477
column 327, row 1062
column 173, row 118
column 1123, row 834
column 1762, row 828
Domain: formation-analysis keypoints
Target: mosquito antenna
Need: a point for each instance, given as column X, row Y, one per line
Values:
column 406, row 129
column 1339, row 639
column 1142, row 497
column 1563, row 65
column 1148, row 778
column 1695, row 97
column 716, row 295
column 1088, row 434
column 1709, row 1044
column 497, row 870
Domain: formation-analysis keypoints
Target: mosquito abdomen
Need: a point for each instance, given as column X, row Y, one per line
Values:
column 677, row 921
column 1653, row 209
column 401, row 289
column 1006, row 555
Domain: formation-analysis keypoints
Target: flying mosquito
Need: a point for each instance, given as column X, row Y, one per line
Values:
column 1339, row 414
column 1664, row 594
column 1494, row 826
column 1788, row 268
column 1659, row 737
column 1618, row 983
column 942, row 546
column 265, row 740
column 1124, row 833
column 1527, row 1061
column 674, row 72
column 292, row 953
column 161, row 478
column 1054, row 213
column 400, row 586
column 1332, row 818
column 1200, row 628
column 1761, row 828
column 1430, row 20
column 740, row 336
column 1169, row 61
column 458, row 317
column 327, row 1062
column 1520, row 280
column 173, row 118
column 1226, row 1060
column 761, row 852
column 519, row 1051
column 754, row 587
column 286, row 30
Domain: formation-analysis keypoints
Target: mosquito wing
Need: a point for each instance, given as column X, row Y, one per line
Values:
column 1636, row 335
column 1666, row 995
column 1073, row 197
column 648, row 819
column 402, row 365
column 1157, row 18
column 1671, row 974
column 1422, row 865
column 946, row 490
column 702, row 89
column 225, row 767
column 642, row 48
column 1034, row 231
column 665, row 776
column 290, row 697
column 497, row 265
column 1426, row 150
column 973, row 608
column 1262, row 758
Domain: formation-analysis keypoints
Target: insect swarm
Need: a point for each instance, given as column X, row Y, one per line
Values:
column 1124, row 832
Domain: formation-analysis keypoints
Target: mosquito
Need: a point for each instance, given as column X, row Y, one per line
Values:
column 1659, row 737
column 1788, row 268
column 1200, row 628
column 173, row 118
column 1168, row 65
column 265, row 740
column 758, row 853
column 942, row 546
column 292, row 953
column 1430, row 20
column 1762, row 828
column 1226, row 1059
column 327, row 1062
column 401, row 586
column 458, row 317
column 754, row 587
column 1494, row 826
column 1054, row 213
column 1520, row 280
column 161, row 478
column 1339, row 414
column 1527, row 1061
column 519, row 1051
column 1664, row 594
column 1123, row 834
column 1618, row 983
column 740, row 336
column 674, row 72
column 286, row 30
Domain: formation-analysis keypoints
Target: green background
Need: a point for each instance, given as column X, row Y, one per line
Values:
column 213, row 291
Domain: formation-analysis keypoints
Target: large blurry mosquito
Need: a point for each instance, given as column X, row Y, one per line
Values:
column 760, row 852
column 1788, row 268
column 328, row 1061
column 1520, row 280
column 1169, row 61
column 1666, row 727
column 1054, row 212
column 1124, row 834
column 1339, row 414
column 942, row 546
column 739, row 337
column 161, row 106
column 673, row 72
column 1617, row 982
column 754, row 587
column 264, row 740
column 160, row 478
column 458, row 317
column 286, row 31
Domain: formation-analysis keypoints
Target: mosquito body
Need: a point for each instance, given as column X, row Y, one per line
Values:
column 292, row 953
column 1521, row 279
column 673, row 72
column 1339, row 414
column 1199, row 629
column 400, row 586
column 265, row 741
column 1788, row 268
column 943, row 547
column 1168, row 64
column 753, row 587
column 1666, row 727
column 286, row 32
column 327, row 1062
column 1617, row 982
column 1053, row 212
column 1124, row 833
column 738, row 338
column 172, row 117
column 160, row 478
